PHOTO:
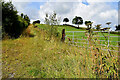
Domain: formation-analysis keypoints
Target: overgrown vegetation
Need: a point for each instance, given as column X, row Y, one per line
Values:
column 40, row 57
column 104, row 63
column 88, row 24
column 39, row 53
column 12, row 24
column 117, row 27
column 52, row 20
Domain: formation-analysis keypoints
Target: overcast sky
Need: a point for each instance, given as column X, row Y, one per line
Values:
column 99, row 12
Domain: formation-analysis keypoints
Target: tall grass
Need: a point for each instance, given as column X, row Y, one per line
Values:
column 41, row 57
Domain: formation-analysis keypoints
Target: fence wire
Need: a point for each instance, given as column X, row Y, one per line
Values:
column 79, row 37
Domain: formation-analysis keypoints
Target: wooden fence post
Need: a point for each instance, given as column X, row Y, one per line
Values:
column 63, row 35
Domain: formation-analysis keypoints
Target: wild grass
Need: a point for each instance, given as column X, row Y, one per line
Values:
column 81, row 35
column 38, row 57
column 41, row 57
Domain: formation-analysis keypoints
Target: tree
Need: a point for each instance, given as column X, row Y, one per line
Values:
column 106, row 28
column 88, row 24
column 52, row 19
column 37, row 21
column 98, row 26
column 117, row 27
column 65, row 20
column 27, row 19
column 47, row 19
column 12, row 23
column 22, row 15
column 108, row 23
column 78, row 21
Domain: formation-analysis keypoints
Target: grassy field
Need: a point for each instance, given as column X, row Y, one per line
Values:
column 82, row 35
column 67, row 28
column 37, row 57
column 41, row 57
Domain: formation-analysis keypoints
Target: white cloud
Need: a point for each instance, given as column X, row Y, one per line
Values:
column 63, row 9
column 22, row 7
column 98, row 12
column 109, row 14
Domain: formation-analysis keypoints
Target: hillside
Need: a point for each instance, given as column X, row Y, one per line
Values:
column 51, row 50
column 41, row 57
column 37, row 57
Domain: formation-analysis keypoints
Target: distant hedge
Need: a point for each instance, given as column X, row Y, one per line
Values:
column 37, row 21
column 12, row 24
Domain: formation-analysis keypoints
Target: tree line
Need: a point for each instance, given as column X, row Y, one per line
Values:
column 79, row 21
column 52, row 20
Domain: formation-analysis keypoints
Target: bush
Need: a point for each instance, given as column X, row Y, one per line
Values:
column 51, row 21
column 53, row 31
column 38, row 21
column 13, row 24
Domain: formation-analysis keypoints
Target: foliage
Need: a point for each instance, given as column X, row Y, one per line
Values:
column 22, row 15
column 106, row 28
column 88, row 24
column 77, row 20
column 52, row 31
column 117, row 27
column 104, row 64
column 27, row 19
column 108, row 23
column 80, row 35
column 13, row 24
column 51, row 19
column 98, row 26
column 65, row 20
column 37, row 21
column 53, row 59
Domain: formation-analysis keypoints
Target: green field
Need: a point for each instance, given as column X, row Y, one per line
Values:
column 81, row 37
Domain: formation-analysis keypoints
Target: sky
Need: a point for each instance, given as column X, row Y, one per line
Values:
column 97, row 11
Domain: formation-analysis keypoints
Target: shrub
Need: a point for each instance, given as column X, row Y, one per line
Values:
column 13, row 24
column 38, row 21
column 51, row 21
